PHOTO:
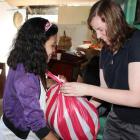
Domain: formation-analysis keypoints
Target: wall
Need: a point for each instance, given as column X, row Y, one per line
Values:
column 77, row 32
column 73, row 20
column 7, row 29
column 73, row 14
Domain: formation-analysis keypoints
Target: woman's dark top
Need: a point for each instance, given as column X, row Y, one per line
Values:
column 115, row 70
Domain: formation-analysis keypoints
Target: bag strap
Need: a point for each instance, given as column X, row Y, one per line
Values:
column 54, row 77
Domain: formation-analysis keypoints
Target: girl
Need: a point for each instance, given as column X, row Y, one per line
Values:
column 32, row 49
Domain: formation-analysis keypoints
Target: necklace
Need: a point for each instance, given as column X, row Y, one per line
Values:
column 112, row 58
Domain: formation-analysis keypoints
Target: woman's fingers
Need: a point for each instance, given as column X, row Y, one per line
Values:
column 71, row 89
column 67, row 89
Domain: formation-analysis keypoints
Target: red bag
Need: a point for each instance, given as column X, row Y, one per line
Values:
column 72, row 118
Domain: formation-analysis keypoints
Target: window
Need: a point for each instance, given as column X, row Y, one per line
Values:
column 137, row 15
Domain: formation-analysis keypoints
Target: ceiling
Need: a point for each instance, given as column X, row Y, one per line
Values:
column 19, row 3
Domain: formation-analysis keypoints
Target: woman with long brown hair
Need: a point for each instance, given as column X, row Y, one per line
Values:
column 119, row 71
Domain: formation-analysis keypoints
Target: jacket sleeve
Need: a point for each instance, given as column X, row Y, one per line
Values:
column 28, row 92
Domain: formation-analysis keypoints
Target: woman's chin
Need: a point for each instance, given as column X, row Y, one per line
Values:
column 48, row 60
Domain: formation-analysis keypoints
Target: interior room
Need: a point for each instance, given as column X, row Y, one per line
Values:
column 75, row 43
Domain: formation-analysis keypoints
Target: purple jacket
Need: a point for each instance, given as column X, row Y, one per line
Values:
column 21, row 101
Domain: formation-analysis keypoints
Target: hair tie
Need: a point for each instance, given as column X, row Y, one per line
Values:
column 47, row 26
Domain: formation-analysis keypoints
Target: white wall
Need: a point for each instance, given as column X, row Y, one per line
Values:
column 73, row 20
column 7, row 28
column 70, row 19
column 73, row 14
column 77, row 32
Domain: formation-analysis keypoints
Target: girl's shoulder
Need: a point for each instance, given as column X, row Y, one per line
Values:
column 23, row 77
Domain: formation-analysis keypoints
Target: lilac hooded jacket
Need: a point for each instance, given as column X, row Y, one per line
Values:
column 21, row 101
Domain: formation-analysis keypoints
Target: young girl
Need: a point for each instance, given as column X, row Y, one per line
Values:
column 119, row 71
column 32, row 49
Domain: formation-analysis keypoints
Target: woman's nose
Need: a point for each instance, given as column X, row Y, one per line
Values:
column 98, row 35
column 54, row 50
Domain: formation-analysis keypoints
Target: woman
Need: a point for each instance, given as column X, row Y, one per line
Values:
column 32, row 49
column 119, row 72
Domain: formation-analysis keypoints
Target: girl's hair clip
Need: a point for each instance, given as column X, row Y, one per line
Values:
column 47, row 26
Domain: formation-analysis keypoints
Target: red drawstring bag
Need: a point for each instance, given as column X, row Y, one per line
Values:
column 72, row 118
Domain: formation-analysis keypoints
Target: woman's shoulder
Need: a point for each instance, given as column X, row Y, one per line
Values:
column 133, row 39
column 136, row 34
column 134, row 47
column 105, row 51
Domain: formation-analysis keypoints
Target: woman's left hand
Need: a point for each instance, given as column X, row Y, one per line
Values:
column 74, row 89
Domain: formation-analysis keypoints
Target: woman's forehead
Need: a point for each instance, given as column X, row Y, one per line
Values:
column 96, row 23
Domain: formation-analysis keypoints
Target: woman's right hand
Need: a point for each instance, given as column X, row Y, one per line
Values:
column 74, row 89
column 50, row 136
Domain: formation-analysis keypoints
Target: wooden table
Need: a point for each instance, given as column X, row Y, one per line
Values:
column 69, row 66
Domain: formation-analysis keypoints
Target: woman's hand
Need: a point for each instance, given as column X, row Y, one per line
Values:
column 74, row 89
column 50, row 136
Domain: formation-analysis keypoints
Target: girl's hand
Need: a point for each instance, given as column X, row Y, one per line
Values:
column 74, row 89
column 62, row 78
column 50, row 136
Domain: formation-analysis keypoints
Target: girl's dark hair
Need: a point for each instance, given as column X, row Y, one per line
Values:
column 117, row 28
column 28, row 46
